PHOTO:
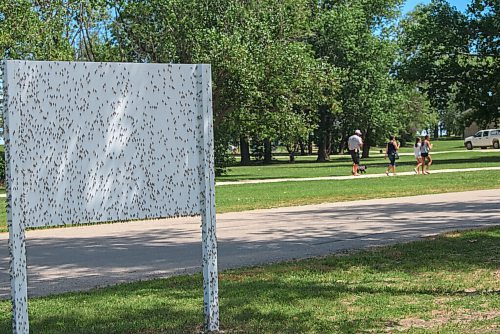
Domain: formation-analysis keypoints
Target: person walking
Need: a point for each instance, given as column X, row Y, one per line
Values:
column 391, row 152
column 425, row 152
column 418, row 155
column 355, row 143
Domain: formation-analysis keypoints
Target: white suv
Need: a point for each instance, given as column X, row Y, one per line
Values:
column 483, row 139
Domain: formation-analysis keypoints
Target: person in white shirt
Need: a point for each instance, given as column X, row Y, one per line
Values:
column 418, row 155
column 355, row 143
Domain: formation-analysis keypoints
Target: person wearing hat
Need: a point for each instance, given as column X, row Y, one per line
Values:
column 355, row 143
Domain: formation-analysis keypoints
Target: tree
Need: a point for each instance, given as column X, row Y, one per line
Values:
column 413, row 111
column 454, row 59
column 189, row 31
column 481, row 66
column 33, row 30
column 291, row 81
column 352, row 36
column 264, row 71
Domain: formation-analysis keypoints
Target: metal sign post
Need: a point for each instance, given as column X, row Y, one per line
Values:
column 209, row 239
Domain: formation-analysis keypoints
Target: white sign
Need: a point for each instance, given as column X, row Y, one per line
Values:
column 95, row 142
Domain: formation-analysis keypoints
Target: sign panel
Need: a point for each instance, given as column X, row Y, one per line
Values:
column 101, row 142
column 96, row 142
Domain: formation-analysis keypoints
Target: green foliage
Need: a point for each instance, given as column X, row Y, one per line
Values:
column 2, row 167
column 454, row 59
column 33, row 30
column 285, row 70
column 432, row 38
column 368, row 94
column 57, row 30
column 412, row 111
column 222, row 156
column 481, row 91
column 267, row 80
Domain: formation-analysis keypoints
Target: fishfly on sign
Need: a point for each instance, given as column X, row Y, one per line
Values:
column 96, row 142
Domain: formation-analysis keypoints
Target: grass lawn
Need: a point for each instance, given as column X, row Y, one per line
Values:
column 268, row 195
column 447, row 284
column 341, row 165
column 233, row 198
column 260, row 196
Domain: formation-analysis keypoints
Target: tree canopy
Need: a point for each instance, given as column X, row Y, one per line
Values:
column 295, row 72
column 454, row 58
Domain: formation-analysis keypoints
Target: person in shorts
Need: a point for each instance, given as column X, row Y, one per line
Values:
column 424, row 152
column 355, row 143
column 391, row 151
column 418, row 155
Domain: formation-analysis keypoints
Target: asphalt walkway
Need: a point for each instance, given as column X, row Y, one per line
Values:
column 84, row 257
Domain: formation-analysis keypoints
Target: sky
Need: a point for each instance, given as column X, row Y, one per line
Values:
column 410, row 4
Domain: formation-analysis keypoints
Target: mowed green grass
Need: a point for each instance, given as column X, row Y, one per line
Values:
column 241, row 197
column 447, row 285
column 306, row 167
column 261, row 196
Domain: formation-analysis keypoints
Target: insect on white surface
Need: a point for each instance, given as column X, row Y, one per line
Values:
column 96, row 142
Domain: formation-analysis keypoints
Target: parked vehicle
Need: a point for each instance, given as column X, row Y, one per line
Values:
column 483, row 139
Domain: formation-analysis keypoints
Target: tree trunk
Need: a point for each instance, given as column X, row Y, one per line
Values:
column 436, row 131
column 310, row 146
column 302, row 148
column 324, row 148
column 367, row 144
column 341, row 147
column 244, row 150
column 366, row 151
column 268, row 155
column 291, row 152
column 324, row 137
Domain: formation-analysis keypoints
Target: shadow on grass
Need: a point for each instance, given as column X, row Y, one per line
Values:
column 347, row 158
column 172, row 249
column 164, row 318
column 270, row 299
column 483, row 159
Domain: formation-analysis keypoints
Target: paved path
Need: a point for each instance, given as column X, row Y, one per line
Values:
column 347, row 177
column 83, row 257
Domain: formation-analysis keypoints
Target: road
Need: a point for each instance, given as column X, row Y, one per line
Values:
column 84, row 257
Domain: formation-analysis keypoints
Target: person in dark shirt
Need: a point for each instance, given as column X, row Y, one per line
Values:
column 391, row 153
column 425, row 153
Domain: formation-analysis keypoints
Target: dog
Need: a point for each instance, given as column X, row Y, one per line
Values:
column 362, row 169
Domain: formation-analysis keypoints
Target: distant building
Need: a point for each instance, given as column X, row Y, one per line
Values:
column 473, row 128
